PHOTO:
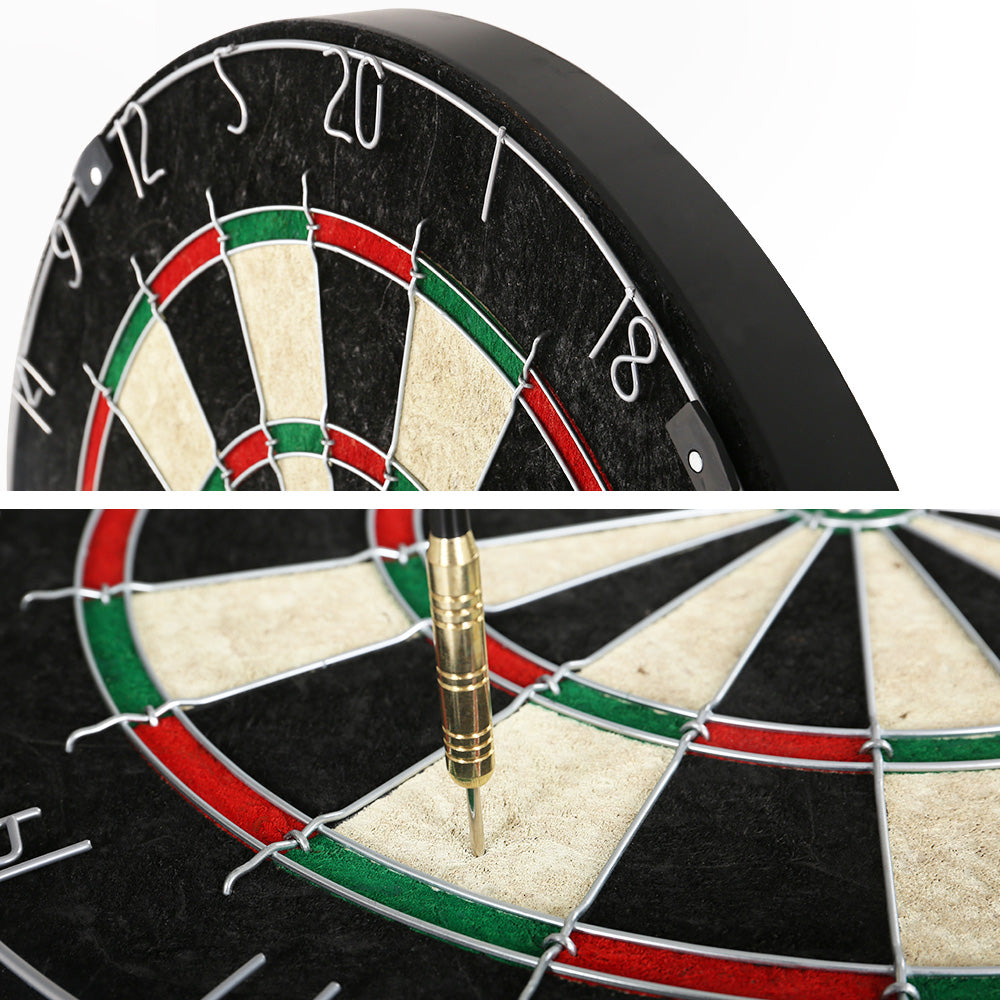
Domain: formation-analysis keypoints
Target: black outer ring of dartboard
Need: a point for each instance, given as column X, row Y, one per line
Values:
column 773, row 395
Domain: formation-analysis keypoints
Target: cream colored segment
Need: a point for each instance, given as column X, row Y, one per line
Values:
column 520, row 568
column 928, row 673
column 304, row 472
column 975, row 544
column 454, row 405
column 160, row 405
column 684, row 657
column 946, row 864
column 561, row 799
column 277, row 286
column 206, row 638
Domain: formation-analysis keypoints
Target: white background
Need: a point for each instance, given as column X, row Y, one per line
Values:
column 857, row 141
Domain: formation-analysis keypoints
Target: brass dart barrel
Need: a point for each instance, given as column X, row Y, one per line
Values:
column 456, row 600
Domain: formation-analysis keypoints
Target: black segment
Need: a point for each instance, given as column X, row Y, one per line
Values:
column 493, row 523
column 761, row 859
column 124, row 467
column 235, row 540
column 523, row 459
column 347, row 479
column 38, row 552
column 808, row 667
column 364, row 328
column 260, row 479
column 205, row 323
column 597, row 612
column 975, row 592
column 313, row 739
column 176, row 544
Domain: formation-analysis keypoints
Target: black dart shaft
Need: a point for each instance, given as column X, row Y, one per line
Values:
column 449, row 523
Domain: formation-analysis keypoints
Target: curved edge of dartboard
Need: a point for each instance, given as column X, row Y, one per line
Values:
column 754, row 357
column 767, row 407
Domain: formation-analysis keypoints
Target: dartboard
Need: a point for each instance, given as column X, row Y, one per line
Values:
column 749, row 754
column 411, row 251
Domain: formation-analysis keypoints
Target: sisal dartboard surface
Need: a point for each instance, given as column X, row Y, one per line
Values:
column 746, row 754
column 406, row 250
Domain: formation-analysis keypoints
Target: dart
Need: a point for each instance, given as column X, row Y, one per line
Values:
column 456, row 600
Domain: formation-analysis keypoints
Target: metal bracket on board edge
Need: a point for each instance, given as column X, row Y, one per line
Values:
column 92, row 170
column 697, row 442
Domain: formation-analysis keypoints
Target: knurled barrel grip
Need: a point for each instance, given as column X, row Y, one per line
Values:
column 456, row 599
